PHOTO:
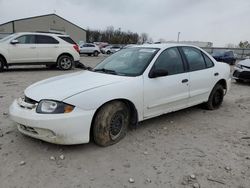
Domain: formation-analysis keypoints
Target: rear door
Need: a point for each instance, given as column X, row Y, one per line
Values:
column 47, row 47
column 24, row 51
column 202, row 75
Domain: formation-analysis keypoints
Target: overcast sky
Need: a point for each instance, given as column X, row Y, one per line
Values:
column 217, row 21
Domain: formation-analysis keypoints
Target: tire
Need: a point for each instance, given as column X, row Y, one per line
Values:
column 95, row 53
column 111, row 123
column 65, row 62
column 2, row 63
column 216, row 98
column 108, row 52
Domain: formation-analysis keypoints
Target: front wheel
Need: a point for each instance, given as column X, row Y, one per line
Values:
column 65, row 62
column 216, row 98
column 96, row 53
column 111, row 123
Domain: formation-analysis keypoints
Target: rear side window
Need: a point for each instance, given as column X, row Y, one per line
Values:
column 68, row 39
column 171, row 61
column 44, row 39
column 208, row 61
column 194, row 58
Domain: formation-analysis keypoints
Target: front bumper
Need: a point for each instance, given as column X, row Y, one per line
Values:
column 65, row 129
column 241, row 74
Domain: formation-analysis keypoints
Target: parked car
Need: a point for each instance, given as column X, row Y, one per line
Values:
column 111, row 49
column 90, row 49
column 225, row 56
column 131, row 85
column 242, row 71
column 38, row 48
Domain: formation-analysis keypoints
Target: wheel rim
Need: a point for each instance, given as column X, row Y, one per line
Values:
column 217, row 98
column 116, row 125
column 66, row 63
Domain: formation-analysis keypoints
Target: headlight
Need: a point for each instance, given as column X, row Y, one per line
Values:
column 53, row 107
column 239, row 66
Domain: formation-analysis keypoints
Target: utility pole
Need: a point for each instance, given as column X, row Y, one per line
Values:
column 178, row 37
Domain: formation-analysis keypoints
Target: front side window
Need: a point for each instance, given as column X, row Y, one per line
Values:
column 44, row 39
column 194, row 58
column 127, row 62
column 26, row 39
column 170, row 60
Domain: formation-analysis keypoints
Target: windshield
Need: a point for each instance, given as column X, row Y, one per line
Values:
column 7, row 38
column 127, row 62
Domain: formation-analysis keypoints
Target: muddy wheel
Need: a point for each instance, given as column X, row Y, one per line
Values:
column 65, row 62
column 111, row 123
column 1, row 64
column 216, row 98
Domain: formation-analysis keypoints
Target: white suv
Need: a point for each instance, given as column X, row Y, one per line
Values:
column 38, row 48
column 89, row 49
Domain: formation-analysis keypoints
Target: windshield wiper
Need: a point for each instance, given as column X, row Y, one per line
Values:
column 106, row 71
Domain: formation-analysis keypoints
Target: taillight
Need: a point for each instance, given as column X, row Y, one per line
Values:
column 76, row 47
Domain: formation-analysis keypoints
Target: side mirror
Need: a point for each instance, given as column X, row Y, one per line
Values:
column 14, row 41
column 154, row 73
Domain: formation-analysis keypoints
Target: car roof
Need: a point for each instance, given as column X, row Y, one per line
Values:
column 163, row 45
column 43, row 33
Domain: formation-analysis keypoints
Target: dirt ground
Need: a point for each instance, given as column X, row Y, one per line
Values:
column 188, row 148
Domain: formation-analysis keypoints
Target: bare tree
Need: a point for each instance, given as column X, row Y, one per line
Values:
column 113, row 36
column 144, row 38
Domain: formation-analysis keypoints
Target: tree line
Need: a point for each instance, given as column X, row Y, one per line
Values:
column 116, row 36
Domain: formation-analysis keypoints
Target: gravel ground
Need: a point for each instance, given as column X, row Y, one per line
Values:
column 188, row 148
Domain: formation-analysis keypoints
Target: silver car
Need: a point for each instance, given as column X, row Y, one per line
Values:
column 89, row 49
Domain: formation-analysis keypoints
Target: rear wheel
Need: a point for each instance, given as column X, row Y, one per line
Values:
column 216, row 98
column 111, row 123
column 95, row 53
column 65, row 62
column 2, row 63
column 108, row 52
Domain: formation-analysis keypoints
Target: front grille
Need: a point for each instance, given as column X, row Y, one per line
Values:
column 236, row 73
column 29, row 100
column 28, row 129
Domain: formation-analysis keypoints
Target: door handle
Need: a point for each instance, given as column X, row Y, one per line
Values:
column 216, row 74
column 56, row 46
column 33, row 47
column 184, row 81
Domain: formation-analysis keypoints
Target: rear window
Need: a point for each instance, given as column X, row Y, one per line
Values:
column 68, row 39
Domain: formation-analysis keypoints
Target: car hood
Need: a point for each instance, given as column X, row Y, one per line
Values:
column 245, row 62
column 65, row 86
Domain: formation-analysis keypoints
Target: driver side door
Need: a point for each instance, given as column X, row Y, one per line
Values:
column 24, row 51
column 167, row 93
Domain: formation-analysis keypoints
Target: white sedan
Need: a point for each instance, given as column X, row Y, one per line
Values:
column 132, row 85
